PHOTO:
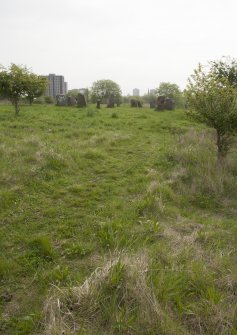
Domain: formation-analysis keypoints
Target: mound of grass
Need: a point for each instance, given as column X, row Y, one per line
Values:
column 41, row 246
column 115, row 299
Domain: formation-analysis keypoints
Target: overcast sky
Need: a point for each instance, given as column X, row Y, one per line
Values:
column 135, row 43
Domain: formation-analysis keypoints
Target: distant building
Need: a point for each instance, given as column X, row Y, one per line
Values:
column 56, row 85
column 65, row 87
column 136, row 92
column 152, row 92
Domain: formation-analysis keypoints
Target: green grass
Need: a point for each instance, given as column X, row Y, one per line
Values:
column 80, row 187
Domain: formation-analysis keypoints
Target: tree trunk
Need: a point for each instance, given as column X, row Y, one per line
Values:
column 17, row 108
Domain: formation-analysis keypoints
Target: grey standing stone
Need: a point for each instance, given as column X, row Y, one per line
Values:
column 81, row 101
column 110, row 103
column 61, row 100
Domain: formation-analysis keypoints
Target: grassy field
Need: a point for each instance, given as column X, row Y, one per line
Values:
column 115, row 222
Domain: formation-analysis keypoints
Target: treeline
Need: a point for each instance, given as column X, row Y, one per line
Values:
column 103, row 89
column 19, row 84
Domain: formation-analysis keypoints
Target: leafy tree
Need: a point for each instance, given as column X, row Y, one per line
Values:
column 225, row 68
column 102, row 89
column 73, row 93
column 211, row 99
column 172, row 91
column 13, row 84
column 36, row 86
column 147, row 98
column 168, row 90
column 17, row 82
column 126, row 99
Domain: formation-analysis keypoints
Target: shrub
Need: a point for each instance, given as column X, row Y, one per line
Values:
column 211, row 100
column 114, row 115
column 48, row 100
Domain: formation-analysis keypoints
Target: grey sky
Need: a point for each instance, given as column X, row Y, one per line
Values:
column 135, row 43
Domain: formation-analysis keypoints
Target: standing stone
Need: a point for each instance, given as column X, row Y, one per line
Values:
column 169, row 104
column 164, row 103
column 153, row 104
column 118, row 103
column 98, row 103
column 133, row 103
column 71, row 101
column 61, row 100
column 110, row 103
column 160, row 103
column 81, row 101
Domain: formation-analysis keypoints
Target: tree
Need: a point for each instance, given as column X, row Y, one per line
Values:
column 211, row 99
column 36, row 86
column 74, row 93
column 225, row 68
column 17, row 82
column 102, row 89
column 172, row 91
column 13, row 84
column 126, row 99
column 149, row 97
column 169, row 90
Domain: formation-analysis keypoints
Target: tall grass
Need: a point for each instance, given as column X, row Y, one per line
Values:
column 115, row 299
column 198, row 175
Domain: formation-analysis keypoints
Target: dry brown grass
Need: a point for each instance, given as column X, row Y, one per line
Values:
column 73, row 309
column 80, row 310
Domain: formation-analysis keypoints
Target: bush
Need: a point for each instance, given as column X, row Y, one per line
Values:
column 48, row 100
column 211, row 99
column 114, row 115
column 39, row 101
